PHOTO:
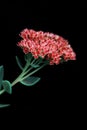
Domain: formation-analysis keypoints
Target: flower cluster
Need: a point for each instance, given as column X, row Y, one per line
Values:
column 46, row 45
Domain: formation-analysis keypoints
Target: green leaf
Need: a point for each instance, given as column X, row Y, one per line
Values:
column 34, row 66
column 4, row 105
column 7, row 86
column 30, row 81
column 19, row 63
column 28, row 57
column 37, row 63
column 1, row 74
column 40, row 60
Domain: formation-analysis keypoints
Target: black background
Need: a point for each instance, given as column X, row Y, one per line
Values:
column 59, row 89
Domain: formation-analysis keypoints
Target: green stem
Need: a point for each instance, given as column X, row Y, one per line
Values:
column 2, row 91
column 33, row 61
column 33, row 72
column 20, row 76
column 25, row 73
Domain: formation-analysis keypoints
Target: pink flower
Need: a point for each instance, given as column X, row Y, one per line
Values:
column 46, row 45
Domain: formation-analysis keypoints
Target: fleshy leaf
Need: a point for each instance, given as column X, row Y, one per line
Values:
column 19, row 63
column 7, row 86
column 4, row 105
column 37, row 63
column 28, row 57
column 1, row 74
column 40, row 60
column 30, row 81
column 34, row 66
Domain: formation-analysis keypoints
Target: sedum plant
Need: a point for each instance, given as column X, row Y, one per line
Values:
column 40, row 49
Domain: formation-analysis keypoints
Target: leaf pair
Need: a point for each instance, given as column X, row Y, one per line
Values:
column 37, row 63
column 28, row 58
column 29, row 81
column 5, row 84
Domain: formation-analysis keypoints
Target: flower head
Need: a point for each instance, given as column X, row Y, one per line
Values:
column 46, row 45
